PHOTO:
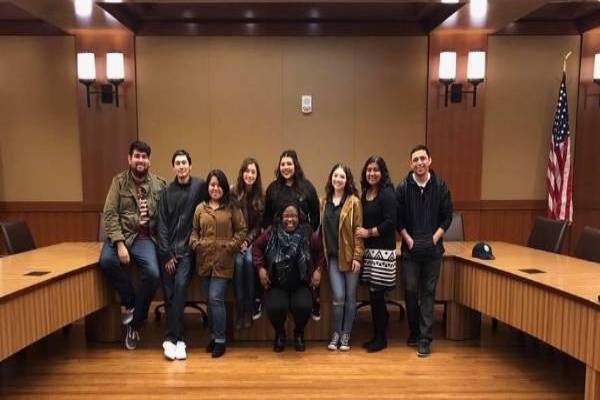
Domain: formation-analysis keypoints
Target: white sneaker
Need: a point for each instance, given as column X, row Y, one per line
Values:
column 345, row 342
column 333, row 344
column 170, row 349
column 128, row 317
column 180, row 353
column 132, row 338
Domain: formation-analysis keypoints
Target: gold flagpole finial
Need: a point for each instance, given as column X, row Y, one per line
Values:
column 565, row 58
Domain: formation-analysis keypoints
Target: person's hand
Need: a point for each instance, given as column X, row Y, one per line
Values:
column 362, row 233
column 171, row 265
column 355, row 266
column 410, row 242
column 244, row 247
column 263, row 275
column 436, row 238
column 123, row 253
column 315, row 279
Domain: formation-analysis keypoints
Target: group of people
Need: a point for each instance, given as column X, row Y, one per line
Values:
column 275, row 245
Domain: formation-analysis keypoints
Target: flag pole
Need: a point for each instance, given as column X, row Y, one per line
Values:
column 565, row 58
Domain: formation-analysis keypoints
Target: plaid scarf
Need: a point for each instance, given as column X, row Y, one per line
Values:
column 284, row 251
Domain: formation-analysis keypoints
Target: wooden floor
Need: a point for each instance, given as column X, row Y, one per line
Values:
column 502, row 365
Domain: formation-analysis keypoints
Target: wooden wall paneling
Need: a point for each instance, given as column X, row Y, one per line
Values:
column 509, row 221
column 581, row 218
column 245, row 103
column 390, row 99
column 52, row 223
column 524, row 74
column 323, row 68
column 471, row 221
column 174, row 100
column 38, row 119
column 592, row 383
column 586, row 190
column 106, row 131
column 454, row 133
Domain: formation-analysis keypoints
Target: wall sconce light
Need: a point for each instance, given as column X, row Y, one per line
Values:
column 475, row 75
column 596, row 75
column 115, row 74
column 447, row 71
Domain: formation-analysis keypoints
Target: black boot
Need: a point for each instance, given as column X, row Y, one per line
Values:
column 368, row 343
column 279, row 342
column 218, row 350
column 299, row 344
column 210, row 346
column 380, row 318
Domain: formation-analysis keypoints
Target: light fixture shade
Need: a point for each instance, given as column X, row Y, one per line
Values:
column 115, row 68
column 447, row 69
column 597, row 66
column 478, row 10
column 476, row 66
column 83, row 8
column 86, row 66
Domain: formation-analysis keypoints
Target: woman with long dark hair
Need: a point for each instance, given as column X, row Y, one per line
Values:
column 341, row 217
column 290, row 184
column 248, row 193
column 379, row 234
column 218, row 232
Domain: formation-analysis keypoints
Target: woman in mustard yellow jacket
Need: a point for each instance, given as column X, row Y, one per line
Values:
column 341, row 215
column 218, row 231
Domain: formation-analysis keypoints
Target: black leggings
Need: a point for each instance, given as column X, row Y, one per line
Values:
column 379, row 313
column 278, row 302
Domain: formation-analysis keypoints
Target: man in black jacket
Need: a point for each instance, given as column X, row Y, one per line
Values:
column 424, row 214
column 175, row 213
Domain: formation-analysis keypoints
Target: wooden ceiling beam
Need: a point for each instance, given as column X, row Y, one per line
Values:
column 488, row 17
column 61, row 13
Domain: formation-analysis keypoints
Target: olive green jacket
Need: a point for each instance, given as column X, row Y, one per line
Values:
column 121, row 213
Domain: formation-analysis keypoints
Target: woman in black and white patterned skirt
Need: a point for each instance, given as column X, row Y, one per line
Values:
column 378, row 232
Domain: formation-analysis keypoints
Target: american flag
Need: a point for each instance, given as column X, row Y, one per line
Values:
column 559, row 177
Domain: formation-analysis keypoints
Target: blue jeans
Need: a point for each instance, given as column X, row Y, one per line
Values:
column 143, row 253
column 214, row 289
column 175, row 289
column 244, row 280
column 343, row 287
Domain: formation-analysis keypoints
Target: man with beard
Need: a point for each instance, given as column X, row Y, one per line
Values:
column 129, row 216
column 424, row 214
column 175, row 214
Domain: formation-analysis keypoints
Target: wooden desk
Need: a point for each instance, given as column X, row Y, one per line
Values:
column 559, row 306
column 32, row 307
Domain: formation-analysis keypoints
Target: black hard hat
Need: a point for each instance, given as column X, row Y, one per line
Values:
column 483, row 250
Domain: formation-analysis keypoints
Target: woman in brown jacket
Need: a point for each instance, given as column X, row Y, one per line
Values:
column 219, row 229
column 341, row 216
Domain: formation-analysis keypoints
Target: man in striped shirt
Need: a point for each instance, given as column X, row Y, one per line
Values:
column 424, row 213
